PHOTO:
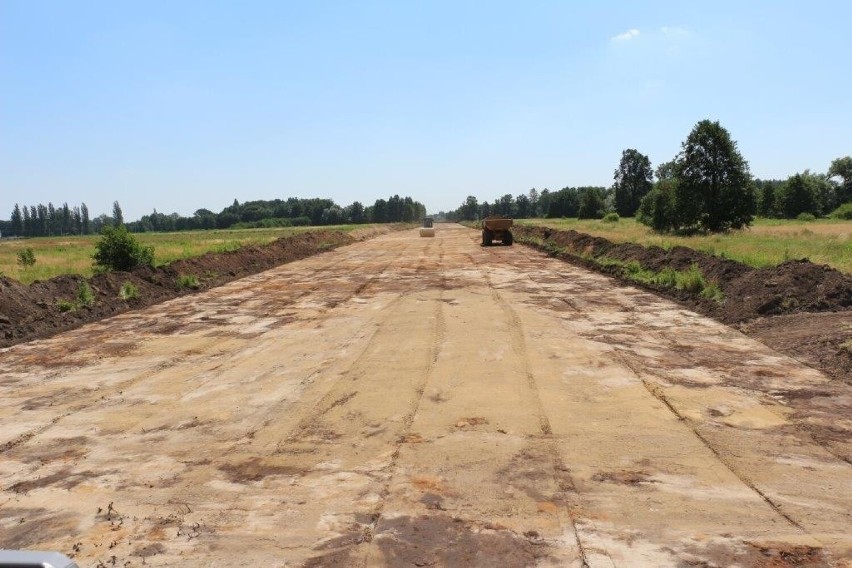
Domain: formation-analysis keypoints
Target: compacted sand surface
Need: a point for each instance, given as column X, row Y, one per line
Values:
column 410, row 401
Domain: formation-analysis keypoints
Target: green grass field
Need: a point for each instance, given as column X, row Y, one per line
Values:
column 768, row 242
column 73, row 254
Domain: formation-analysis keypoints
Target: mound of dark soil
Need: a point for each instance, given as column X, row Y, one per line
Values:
column 796, row 289
column 791, row 287
column 31, row 311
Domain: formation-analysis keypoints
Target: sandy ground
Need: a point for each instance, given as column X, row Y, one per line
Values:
column 412, row 401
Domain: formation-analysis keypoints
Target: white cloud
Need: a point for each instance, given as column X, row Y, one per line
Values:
column 626, row 36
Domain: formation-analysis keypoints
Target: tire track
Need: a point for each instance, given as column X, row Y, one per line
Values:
column 89, row 400
column 656, row 392
column 438, row 337
column 565, row 482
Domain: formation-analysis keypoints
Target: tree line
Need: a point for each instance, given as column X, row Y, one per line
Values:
column 707, row 187
column 587, row 202
column 46, row 220
column 40, row 220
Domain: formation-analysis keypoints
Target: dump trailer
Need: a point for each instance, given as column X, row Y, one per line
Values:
column 496, row 229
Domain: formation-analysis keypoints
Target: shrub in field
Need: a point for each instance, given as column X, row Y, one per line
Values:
column 128, row 291
column 66, row 306
column 26, row 257
column 611, row 218
column 843, row 212
column 188, row 281
column 117, row 249
column 806, row 217
column 85, row 296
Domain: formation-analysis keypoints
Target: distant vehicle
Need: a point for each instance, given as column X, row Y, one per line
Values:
column 426, row 230
column 497, row 229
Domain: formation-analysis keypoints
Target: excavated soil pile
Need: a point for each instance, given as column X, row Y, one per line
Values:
column 32, row 311
column 753, row 297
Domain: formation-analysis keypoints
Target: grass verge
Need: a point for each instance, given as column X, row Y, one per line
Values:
column 767, row 243
column 73, row 254
column 690, row 280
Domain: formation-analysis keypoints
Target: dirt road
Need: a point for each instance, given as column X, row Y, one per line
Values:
column 411, row 401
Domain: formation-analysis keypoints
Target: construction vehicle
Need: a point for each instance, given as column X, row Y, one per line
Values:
column 496, row 229
column 427, row 230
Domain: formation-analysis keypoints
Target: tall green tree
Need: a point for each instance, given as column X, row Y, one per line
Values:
column 534, row 205
column 842, row 168
column 65, row 215
column 633, row 180
column 356, row 212
column 522, row 205
column 505, row 205
column 52, row 220
column 28, row 224
column 714, row 191
column 117, row 215
column 591, row 204
column 76, row 221
column 470, row 209
column 798, row 195
column 665, row 171
column 17, row 221
column 767, row 197
column 656, row 209
column 85, row 221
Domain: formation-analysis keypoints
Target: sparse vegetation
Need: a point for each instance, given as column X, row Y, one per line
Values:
column 26, row 257
column 713, row 292
column 691, row 280
column 188, row 281
column 85, row 295
column 128, row 291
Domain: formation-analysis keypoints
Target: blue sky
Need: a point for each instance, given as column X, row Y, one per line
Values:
column 186, row 104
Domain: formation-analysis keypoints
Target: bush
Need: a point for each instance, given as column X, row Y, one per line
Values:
column 611, row 218
column 85, row 296
column 691, row 280
column 117, row 249
column 66, row 306
column 713, row 292
column 843, row 212
column 188, row 281
column 26, row 257
column 806, row 217
column 128, row 291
